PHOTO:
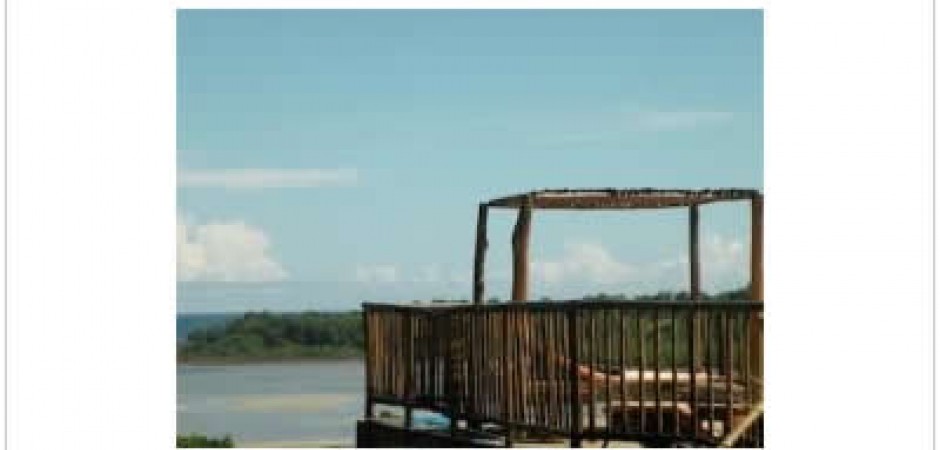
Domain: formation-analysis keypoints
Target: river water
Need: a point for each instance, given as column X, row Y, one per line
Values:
column 272, row 405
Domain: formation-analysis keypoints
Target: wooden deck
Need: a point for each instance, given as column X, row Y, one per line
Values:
column 581, row 371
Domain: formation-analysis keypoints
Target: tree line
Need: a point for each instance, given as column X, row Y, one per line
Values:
column 274, row 336
column 266, row 335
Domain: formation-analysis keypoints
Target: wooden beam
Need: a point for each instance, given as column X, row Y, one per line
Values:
column 520, row 253
column 744, row 425
column 479, row 255
column 619, row 198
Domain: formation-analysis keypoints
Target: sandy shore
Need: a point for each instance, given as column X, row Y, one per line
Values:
column 292, row 403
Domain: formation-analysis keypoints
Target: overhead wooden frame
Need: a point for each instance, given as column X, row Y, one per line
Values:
column 608, row 199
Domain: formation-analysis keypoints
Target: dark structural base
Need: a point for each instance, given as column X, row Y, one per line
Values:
column 376, row 434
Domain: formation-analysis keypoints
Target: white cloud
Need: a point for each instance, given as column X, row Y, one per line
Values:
column 430, row 273
column 623, row 125
column 460, row 276
column 678, row 120
column 723, row 266
column 267, row 178
column 583, row 266
column 583, row 261
column 724, row 262
column 224, row 251
column 377, row 273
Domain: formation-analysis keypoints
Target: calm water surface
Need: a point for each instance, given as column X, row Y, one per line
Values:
column 272, row 404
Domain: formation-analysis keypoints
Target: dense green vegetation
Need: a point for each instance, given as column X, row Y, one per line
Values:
column 265, row 336
column 270, row 336
column 186, row 323
column 202, row 441
column 644, row 329
column 738, row 294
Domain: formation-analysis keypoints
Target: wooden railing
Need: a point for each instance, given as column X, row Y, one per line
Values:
column 648, row 371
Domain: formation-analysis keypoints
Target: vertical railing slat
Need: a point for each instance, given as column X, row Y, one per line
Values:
column 592, row 364
column 573, row 384
column 691, row 351
column 622, row 366
column 675, row 373
column 656, row 351
column 729, row 376
column 709, row 364
column 409, row 367
column 641, row 341
column 507, row 391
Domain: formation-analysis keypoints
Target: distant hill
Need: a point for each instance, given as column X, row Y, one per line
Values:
column 261, row 336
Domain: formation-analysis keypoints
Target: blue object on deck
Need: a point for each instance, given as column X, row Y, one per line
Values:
column 430, row 420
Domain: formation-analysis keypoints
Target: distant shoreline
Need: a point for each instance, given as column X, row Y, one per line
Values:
column 239, row 361
column 314, row 443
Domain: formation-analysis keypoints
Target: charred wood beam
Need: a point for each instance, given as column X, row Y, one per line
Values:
column 479, row 255
column 520, row 252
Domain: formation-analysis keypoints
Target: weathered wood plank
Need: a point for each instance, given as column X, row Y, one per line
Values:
column 520, row 253
column 479, row 255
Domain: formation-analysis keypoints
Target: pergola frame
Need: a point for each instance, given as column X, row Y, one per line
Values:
column 607, row 199
column 610, row 199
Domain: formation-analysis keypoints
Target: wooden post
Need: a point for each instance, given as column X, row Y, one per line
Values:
column 520, row 252
column 757, row 283
column 694, row 269
column 479, row 255
column 370, row 354
column 695, row 281
column 520, row 292
column 757, row 248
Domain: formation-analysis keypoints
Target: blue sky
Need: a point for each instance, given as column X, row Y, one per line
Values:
column 327, row 158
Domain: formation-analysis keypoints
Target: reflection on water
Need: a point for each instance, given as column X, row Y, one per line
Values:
column 272, row 404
